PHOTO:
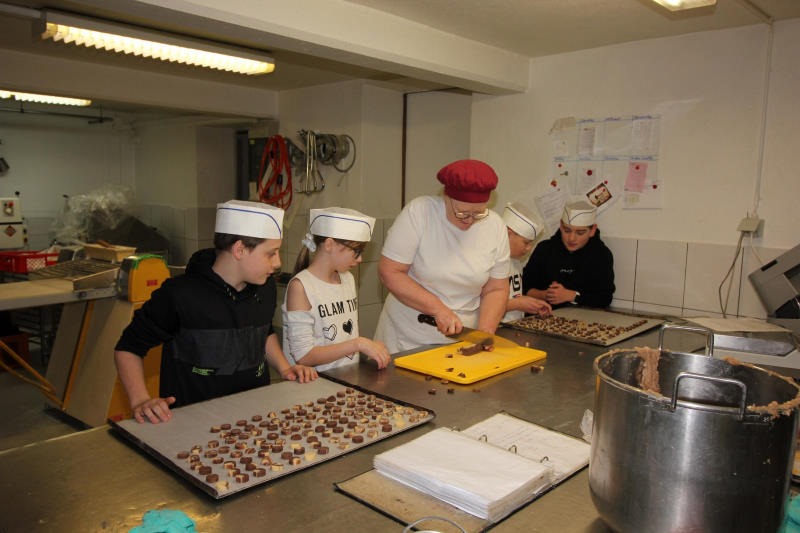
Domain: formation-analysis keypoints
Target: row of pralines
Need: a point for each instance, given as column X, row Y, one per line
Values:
column 291, row 436
column 577, row 328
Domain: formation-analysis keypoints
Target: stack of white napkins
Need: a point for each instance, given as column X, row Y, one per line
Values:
column 483, row 480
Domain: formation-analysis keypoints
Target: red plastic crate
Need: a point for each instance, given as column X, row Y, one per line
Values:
column 24, row 262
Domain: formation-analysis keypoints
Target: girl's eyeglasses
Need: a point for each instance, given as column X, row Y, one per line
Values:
column 463, row 215
column 357, row 249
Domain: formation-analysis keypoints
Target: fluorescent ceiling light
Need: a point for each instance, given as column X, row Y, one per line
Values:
column 114, row 37
column 44, row 98
column 678, row 5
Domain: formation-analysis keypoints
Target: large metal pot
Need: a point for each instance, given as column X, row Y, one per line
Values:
column 704, row 455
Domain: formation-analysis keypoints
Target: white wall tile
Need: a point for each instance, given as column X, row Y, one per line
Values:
column 660, row 273
column 706, row 267
column 749, row 302
column 206, row 220
column 622, row 305
column 368, row 319
column 179, row 223
column 294, row 234
column 369, row 287
column 624, row 251
column 694, row 313
column 373, row 250
column 656, row 309
column 190, row 223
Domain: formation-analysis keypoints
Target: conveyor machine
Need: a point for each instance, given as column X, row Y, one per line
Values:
column 99, row 299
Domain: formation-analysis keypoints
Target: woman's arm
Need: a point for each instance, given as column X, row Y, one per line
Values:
column 494, row 297
column 395, row 277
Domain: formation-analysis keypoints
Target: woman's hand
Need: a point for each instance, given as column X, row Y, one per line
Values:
column 448, row 323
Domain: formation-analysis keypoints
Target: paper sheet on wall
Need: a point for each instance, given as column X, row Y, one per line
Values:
column 551, row 206
column 586, row 139
column 643, row 175
column 609, row 160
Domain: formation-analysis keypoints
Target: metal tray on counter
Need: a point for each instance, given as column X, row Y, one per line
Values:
column 593, row 326
column 191, row 443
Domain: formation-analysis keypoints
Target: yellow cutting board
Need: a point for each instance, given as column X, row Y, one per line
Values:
column 445, row 362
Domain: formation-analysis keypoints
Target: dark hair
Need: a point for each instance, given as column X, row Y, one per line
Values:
column 223, row 241
column 304, row 258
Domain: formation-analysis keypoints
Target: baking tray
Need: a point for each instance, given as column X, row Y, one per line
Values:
column 445, row 362
column 593, row 326
column 184, row 443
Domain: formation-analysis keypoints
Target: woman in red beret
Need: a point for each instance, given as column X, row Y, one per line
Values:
column 446, row 256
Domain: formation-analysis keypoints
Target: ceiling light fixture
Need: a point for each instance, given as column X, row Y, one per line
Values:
column 44, row 98
column 679, row 5
column 124, row 39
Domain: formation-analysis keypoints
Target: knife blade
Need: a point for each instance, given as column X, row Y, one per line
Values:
column 474, row 336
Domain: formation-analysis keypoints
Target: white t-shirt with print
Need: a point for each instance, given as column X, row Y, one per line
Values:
column 333, row 318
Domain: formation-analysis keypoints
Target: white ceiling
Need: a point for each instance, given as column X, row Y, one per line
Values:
column 527, row 28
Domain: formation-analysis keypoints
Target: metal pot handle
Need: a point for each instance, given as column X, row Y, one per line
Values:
column 697, row 329
column 713, row 379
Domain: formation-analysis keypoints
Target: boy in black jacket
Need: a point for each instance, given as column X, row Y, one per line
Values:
column 574, row 266
column 215, row 321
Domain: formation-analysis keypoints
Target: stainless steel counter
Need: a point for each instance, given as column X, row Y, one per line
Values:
column 95, row 481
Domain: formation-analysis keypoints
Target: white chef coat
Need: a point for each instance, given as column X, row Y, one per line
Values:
column 514, row 289
column 333, row 318
column 451, row 263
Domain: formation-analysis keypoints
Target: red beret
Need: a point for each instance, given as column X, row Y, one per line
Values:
column 468, row 180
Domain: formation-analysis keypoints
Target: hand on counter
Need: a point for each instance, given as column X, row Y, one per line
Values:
column 556, row 294
column 375, row 350
column 301, row 373
column 155, row 409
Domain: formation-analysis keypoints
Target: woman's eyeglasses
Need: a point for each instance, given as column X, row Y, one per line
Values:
column 463, row 215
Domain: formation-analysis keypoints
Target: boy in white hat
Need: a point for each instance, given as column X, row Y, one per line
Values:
column 524, row 228
column 320, row 312
column 574, row 266
column 215, row 321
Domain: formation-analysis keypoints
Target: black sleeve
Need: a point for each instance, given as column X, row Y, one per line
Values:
column 152, row 324
column 599, row 288
column 534, row 275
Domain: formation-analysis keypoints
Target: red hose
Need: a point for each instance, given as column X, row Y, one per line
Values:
column 275, row 174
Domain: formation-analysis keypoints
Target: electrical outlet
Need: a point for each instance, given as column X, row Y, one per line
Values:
column 750, row 225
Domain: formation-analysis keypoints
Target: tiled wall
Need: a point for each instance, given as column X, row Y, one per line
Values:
column 683, row 279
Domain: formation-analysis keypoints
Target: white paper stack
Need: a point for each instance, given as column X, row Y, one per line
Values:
column 486, row 481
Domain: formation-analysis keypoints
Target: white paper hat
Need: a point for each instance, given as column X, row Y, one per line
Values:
column 341, row 223
column 525, row 222
column 579, row 214
column 249, row 219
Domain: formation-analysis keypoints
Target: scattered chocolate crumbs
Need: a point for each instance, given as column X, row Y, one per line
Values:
column 451, row 390
column 431, row 391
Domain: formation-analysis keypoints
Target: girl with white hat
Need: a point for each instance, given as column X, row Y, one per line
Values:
column 320, row 311
column 525, row 227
